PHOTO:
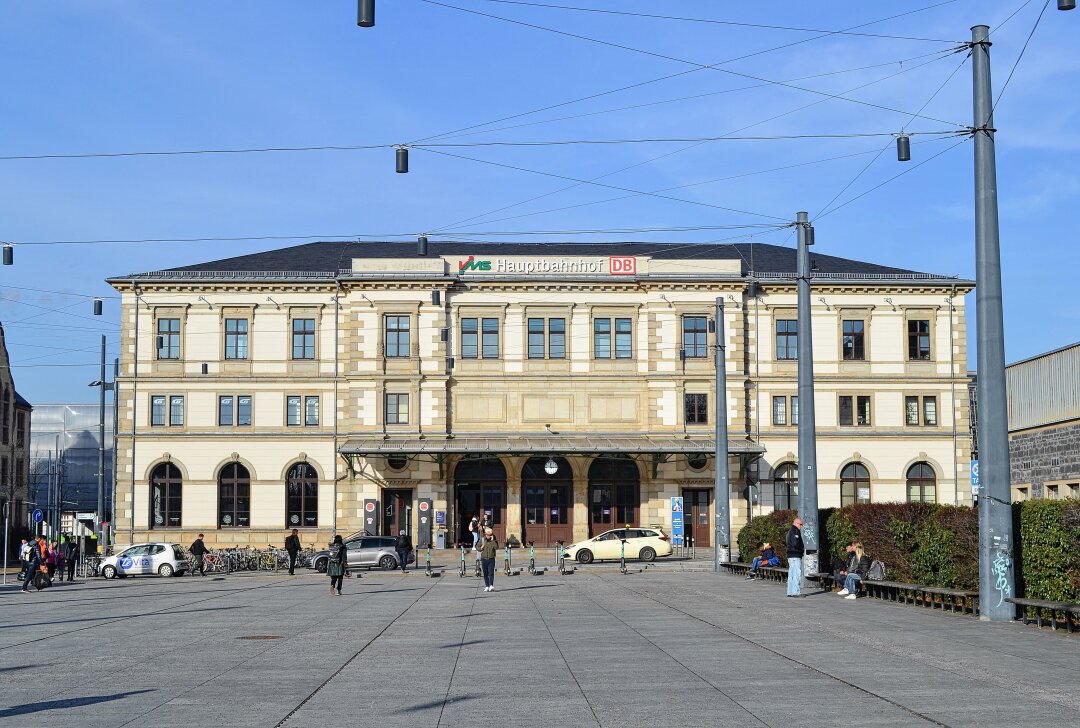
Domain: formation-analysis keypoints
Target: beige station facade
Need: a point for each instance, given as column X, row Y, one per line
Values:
column 558, row 389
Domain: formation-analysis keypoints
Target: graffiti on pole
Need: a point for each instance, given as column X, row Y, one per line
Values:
column 1000, row 570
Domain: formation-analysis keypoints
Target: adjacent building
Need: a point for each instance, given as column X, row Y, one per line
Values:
column 1044, row 424
column 14, row 446
column 558, row 389
column 65, row 444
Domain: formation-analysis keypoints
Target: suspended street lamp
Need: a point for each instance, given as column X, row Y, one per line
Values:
column 1066, row 4
column 365, row 13
column 9, row 255
column 97, row 306
column 903, row 148
column 402, row 157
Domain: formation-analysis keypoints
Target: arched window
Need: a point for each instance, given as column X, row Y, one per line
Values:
column 854, row 484
column 786, row 487
column 614, row 493
column 302, row 496
column 166, row 496
column 921, row 484
column 7, row 416
column 234, row 497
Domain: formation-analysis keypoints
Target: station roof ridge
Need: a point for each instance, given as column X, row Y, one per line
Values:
column 325, row 260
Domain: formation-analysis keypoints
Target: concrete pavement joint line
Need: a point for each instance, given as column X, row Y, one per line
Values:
column 565, row 661
column 457, row 657
column 345, row 664
column 677, row 661
column 906, row 709
column 133, row 616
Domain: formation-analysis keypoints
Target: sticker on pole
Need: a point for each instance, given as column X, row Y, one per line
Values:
column 676, row 521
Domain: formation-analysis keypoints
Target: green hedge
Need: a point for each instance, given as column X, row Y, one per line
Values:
column 938, row 545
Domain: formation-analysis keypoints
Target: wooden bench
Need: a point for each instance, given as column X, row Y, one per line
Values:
column 926, row 596
column 1038, row 606
column 736, row 567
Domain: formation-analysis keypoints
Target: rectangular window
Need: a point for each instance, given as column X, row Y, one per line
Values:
column 602, row 338
column 911, row 410
column 225, row 410
column 787, row 339
column 929, row 408
column 1052, row 492
column 157, row 411
column 176, row 411
column 697, row 409
column 862, row 413
column 397, row 336
column 168, row 332
column 779, row 410
column 624, row 347
column 236, row 338
column 243, row 411
column 397, row 409
column 794, row 410
column 490, row 340
column 292, row 411
column 303, row 338
column 1074, row 490
column 536, row 338
column 556, row 338
column 311, row 411
column 918, row 340
column 847, row 411
column 854, row 348
column 470, row 338
column 694, row 333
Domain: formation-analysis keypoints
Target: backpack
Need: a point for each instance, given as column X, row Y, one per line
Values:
column 42, row 581
column 876, row 572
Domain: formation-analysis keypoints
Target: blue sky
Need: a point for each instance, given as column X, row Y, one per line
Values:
column 116, row 76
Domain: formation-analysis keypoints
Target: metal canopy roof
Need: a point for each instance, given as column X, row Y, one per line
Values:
column 553, row 444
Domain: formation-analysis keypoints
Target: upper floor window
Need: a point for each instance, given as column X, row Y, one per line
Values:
column 6, row 415
column 292, row 410
column 234, row 410
column 928, row 412
column 397, row 336
column 602, row 338
column 397, row 409
column 624, row 347
column 779, row 410
column 470, row 338
column 168, row 338
column 311, row 411
column 855, row 410
column 489, row 331
column 303, row 338
column 176, row 410
column 694, row 334
column 787, row 339
column 20, row 429
column 236, row 339
column 697, row 409
column 157, row 410
column 918, row 339
column 547, row 337
column 853, row 342
column 162, row 407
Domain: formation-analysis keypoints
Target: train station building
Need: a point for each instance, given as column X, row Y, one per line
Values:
column 558, row 389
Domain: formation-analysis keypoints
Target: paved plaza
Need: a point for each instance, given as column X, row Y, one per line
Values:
column 659, row 648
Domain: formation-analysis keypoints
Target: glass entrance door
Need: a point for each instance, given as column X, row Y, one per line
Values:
column 397, row 512
column 696, row 516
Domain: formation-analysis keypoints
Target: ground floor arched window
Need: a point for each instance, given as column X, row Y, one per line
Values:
column 234, row 497
column 166, row 496
column 921, row 484
column 854, row 484
column 302, row 497
column 786, row 487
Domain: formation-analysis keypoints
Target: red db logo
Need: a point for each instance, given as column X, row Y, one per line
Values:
column 369, row 507
column 424, row 506
column 622, row 265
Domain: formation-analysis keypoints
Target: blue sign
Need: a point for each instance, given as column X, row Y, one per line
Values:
column 440, row 518
column 38, row 515
column 676, row 521
column 975, row 474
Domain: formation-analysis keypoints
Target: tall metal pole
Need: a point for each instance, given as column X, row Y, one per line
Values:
column 101, row 450
column 808, row 500
column 995, row 510
column 721, row 489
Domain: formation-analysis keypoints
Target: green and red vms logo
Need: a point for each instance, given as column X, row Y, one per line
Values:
column 473, row 264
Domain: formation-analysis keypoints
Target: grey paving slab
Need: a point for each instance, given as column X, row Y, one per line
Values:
column 598, row 648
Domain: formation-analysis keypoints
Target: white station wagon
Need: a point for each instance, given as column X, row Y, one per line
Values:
column 641, row 543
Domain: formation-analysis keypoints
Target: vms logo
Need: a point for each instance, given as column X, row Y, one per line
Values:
column 622, row 265
column 473, row 264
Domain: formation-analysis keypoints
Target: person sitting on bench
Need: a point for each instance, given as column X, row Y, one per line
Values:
column 767, row 557
column 841, row 566
column 857, row 568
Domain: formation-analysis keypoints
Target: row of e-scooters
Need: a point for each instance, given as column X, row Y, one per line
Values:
column 561, row 563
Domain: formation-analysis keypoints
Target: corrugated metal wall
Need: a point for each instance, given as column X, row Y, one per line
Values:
column 1045, row 389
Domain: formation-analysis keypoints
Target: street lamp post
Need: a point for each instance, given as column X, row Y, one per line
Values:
column 104, row 387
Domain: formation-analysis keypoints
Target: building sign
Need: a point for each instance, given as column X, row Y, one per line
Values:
column 616, row 265
column 676, row 521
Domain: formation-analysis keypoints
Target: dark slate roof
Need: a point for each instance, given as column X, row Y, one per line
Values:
column 330, row 257
column 21, row 402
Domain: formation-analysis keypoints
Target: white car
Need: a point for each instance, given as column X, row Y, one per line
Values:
column 163, row 559
column 641, row 543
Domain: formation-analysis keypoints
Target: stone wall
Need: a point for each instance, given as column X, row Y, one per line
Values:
column 1045, row 455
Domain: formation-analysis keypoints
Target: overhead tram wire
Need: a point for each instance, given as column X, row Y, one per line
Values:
column 691, row 146
column 698, row 66
column 1020, row 57
column 682, row 73
column 717, row 22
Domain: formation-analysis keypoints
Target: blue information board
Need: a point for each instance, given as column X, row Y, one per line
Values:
column 676, row 521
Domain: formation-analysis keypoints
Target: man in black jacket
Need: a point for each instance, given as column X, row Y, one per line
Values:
column 292, row 545
column 70, row 552
column 403, row 546
column 795, row 549
column 198, row 551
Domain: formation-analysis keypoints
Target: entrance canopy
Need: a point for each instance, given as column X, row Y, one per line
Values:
column 543, row 445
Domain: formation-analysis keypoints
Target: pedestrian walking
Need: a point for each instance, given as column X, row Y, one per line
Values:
column 292, row 546
column 198, row 551
column 335, row 568
column 35, row 562
column 474, row 530
column 52, row 558
column 24, row 557
column 403, row 546
column 795, row 550
column 488, row 550
column 70, row 552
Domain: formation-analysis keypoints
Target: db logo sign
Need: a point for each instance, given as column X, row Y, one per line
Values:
column 423, row 505
column 622, row 265
column 369, row 507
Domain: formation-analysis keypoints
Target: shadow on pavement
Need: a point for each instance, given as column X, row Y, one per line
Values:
column 67, row 703
column 433, row 704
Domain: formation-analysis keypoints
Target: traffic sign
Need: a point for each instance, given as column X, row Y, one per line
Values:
column 38, row 515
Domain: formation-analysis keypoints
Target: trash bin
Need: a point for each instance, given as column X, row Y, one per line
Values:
column 440, row 539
